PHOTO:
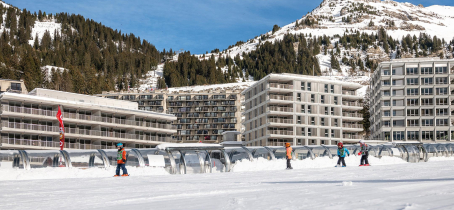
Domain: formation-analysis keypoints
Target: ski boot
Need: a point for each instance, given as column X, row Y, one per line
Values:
column 125, row 175
column 116, row 175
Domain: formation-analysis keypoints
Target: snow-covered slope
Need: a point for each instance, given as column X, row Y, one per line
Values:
column 41, row 27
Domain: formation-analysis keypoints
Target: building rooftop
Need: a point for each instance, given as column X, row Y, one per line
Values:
column 416, row 60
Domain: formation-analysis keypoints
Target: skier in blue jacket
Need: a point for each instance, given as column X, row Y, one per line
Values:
column 342, row 152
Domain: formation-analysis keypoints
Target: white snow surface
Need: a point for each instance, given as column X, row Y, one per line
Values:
column 41, row 27
column 47, row 71
column 397, row 186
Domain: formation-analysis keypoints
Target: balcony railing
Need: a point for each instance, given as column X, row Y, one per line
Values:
column 350, row 103
column 351, row 136
column 279, row 132
column 346, row 125
column 30, row 142
column 349, row 92
column 27, row 126
column 346, row 114
column 282, row 86
column 68, row 115
column 279, row 109
column 276, row 120
column 281, row 97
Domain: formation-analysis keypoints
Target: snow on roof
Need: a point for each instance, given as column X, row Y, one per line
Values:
column 187, row 145
column 232, row 86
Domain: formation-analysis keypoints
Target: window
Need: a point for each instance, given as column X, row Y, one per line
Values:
column 427, row 112
column 332, row 133
column 398, row 135
column 427, row 135
column 335, row 123
column 412, row 81
column 394, row 72
column 398, row 82
column 386, row 113
column 312, row 120
column 303, row 131
column 326, row 110
column 302, row 86
column 441, row 80
column 414, row 122
column 386, row 72
column 441, row 101
column 441, row 70
column 312, row 98
column 412, row 135
column 308, row 109
column 326, row 88
column 386, row 93
column 335, row 100
column 332, row 110
column 309, row 86
column 309, row 132
column 442, row 122
column 332, row 88
column 426, row 91
column 386, row 124
column 427, row 122
column 427, row 81
column 386, row 83
column 398, row 102
column 412, row 91
column 302, row 109
column 386, row 103
column 427, row 102
column 298, row 120
column 322, row 99
column 442, row 112
column 412, row 112
column 411, row 71
column 322, row 121
column 441, row 91
column 442, row 135
column 16, row 86
column 412, row 102
column 298, row 96
column 426, row 70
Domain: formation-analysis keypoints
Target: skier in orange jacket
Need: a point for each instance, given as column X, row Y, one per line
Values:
column 288, row 155
column 121, row 160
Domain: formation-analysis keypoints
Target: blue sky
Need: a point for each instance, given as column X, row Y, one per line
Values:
column 194, row 25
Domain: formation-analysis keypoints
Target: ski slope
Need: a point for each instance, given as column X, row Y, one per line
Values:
column 396, row 186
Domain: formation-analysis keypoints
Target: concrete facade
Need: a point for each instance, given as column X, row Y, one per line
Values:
column 28, row 121
column 13, row 86
column 301, row 110
column 412, row 100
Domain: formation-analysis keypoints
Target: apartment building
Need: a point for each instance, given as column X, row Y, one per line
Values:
column 28, row 121
column 301, row 110
column 12, row 86
column 203, row 114
column 412, row 100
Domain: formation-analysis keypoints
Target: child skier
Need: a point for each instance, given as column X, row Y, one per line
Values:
column 121, row 160
column 364, row 153
column 288, row 155
column 341, row 152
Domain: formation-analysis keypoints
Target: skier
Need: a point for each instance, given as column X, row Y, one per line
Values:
column 364, row 153
column 121, row 160
column 341, row 152
column 289, row 155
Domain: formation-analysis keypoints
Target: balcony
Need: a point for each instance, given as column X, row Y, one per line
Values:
column 281, row 86
column 349, row 92
column 277, row 120
column 279, row 109
column 346, row 114
column 281, row 97
column 27, row 126
column 279, row 132
column 350, row 103
column 346, row 125
column 30, row 142
column 351, row 136
column 25, row 110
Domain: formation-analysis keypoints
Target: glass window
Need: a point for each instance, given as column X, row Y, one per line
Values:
column 387, row 113
column 411, row 71
column 386, row 72
column 298, row 120
column 332, row 88
column 412, row 112
column 426, row 91
column 302, row 109
column 426, row 70
column 326, row 110
column 427, row 122
column 322, row 99
column 302, row 86
column 441, row 101
column 441, row 91
column 442, row 122
column 412, row 135
column 335, row 100
column 386, row 103
column 441, row 80
column 412, row 81
column 427, row 135
column 309, row 86
column 427, row 81
column 326, row 88
column 412, row 91
column 441, row 70
column 298, row 96
column 312, row 98
column 413, row 102
column 398, row 135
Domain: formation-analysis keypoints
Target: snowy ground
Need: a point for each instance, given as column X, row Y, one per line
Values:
column 395, row 186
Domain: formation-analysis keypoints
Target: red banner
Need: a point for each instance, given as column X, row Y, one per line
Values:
column 62, row 128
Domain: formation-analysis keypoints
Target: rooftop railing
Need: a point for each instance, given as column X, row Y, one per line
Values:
column 347, row 125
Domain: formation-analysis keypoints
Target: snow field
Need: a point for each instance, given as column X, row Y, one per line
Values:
column 398, row 186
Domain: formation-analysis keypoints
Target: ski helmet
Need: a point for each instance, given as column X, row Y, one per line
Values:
column 119, row 145
column 287, row 144
column 361, row 141
column 340, row 144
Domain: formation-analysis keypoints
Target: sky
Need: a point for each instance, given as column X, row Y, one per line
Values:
column 195, row 25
